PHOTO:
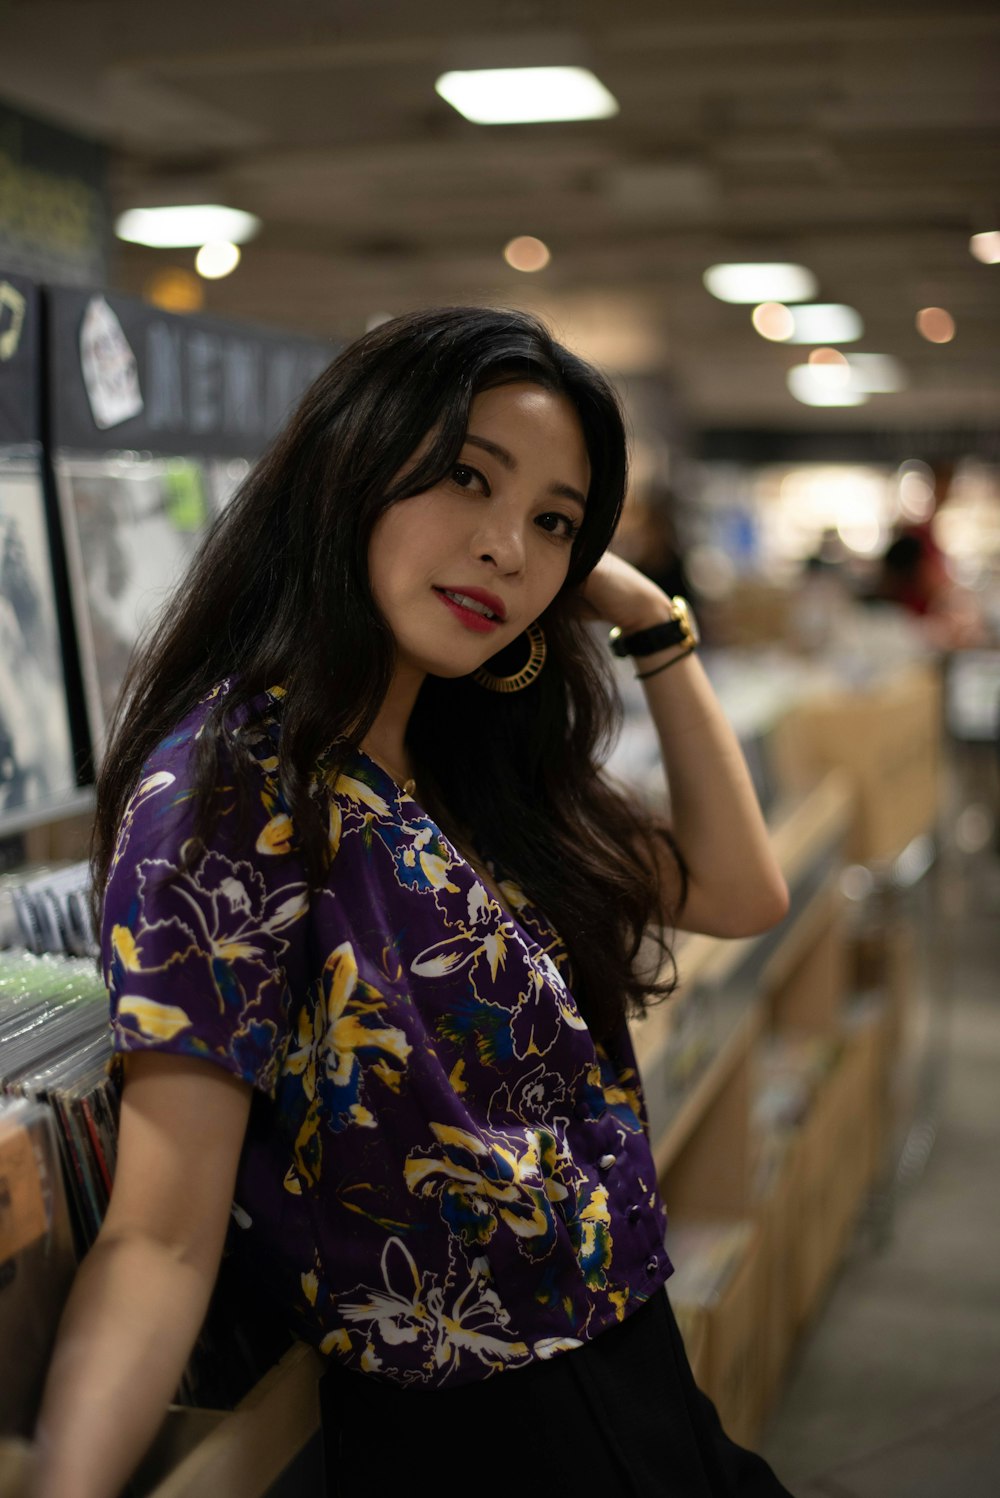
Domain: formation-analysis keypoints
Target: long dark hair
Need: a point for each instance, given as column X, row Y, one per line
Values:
column 280, row 593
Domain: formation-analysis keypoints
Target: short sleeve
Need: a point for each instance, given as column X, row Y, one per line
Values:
column 198, row 960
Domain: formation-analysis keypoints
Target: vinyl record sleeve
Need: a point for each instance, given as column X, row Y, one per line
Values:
column 35, row 1280
column 36, row 754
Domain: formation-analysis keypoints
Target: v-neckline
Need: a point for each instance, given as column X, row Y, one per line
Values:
column 462, row 858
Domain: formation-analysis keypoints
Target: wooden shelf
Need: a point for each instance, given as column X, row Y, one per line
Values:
column 697, row 1056
column 245, row 1450
column 711, row 973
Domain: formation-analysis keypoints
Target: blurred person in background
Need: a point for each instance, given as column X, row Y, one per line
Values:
column 914, row 575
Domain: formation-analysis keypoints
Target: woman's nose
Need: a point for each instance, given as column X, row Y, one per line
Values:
column 500, row 539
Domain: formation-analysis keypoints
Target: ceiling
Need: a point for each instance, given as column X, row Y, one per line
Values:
column 861, row 139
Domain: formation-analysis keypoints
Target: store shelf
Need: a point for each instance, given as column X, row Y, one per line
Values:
column 725, row 982
column 243, row 1451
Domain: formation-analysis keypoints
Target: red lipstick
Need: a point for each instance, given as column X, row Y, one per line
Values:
column 458, row 600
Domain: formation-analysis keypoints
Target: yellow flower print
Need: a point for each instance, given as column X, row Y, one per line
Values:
column 454, row 952
column 619, row 1299
column 125, row 948
column 435, row 871
column 480, row 1184
column 155, row 1021
column 456, row 1080
column 336, row 1341
column 356, row 790
column 594, row 1243
column 340, row 1043
column 276, row 836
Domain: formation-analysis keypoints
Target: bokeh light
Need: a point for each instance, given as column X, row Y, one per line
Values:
column 174, row 289
column 213, row 261
column 830, row 357
column 986, row 246
column 773, row 320
column 527, row 253
column 915, row 491
column 935, row 324
column 760, row 281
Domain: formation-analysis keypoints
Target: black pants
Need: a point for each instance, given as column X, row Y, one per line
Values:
column 621, row 1415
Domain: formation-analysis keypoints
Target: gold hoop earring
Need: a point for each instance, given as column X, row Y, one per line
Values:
column 527, row 673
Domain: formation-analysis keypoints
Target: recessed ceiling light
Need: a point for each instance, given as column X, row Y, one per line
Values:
column 935, row 324
column 986, row 246
column 773, row 320
column 186, row 227
column 826, row 322
column 876, row 374
column 213, row 261
column 829, row 356
column 527, row 253
column 760, row 282
column 526, row 96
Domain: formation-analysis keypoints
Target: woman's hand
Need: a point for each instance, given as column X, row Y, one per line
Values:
column 620, row 594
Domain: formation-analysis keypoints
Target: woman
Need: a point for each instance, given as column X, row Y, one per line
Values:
column 355, row 766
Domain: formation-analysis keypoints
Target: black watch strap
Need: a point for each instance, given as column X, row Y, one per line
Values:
column 680, row 630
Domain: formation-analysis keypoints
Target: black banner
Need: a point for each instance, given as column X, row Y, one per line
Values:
column 20, row 378
column 54, row 218
column 125, row 375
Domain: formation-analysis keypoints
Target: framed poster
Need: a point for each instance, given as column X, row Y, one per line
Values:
column 36, row 754
column 132, row 524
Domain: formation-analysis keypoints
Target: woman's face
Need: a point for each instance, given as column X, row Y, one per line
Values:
column 459, row 570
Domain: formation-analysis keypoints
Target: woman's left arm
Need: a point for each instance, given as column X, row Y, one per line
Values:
column 735, row 885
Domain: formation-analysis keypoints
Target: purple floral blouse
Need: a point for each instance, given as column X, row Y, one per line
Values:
column 442, row 1175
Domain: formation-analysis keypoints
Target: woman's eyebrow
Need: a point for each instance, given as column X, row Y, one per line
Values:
column 510, row 463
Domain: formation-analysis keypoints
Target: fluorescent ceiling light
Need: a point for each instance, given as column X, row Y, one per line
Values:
column 179, row 228
column 826, row 322
column 849, row 383
column 525, row 96
column 876, row 374
column 823, row 385
column 760, row 282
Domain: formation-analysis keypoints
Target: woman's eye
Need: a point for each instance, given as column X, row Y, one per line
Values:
column 559, row 525
column 468, row 478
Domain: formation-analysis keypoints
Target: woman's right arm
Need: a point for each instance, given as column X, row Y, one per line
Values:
column 141, row 1294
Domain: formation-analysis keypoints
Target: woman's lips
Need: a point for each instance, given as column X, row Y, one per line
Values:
column 476, row 622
